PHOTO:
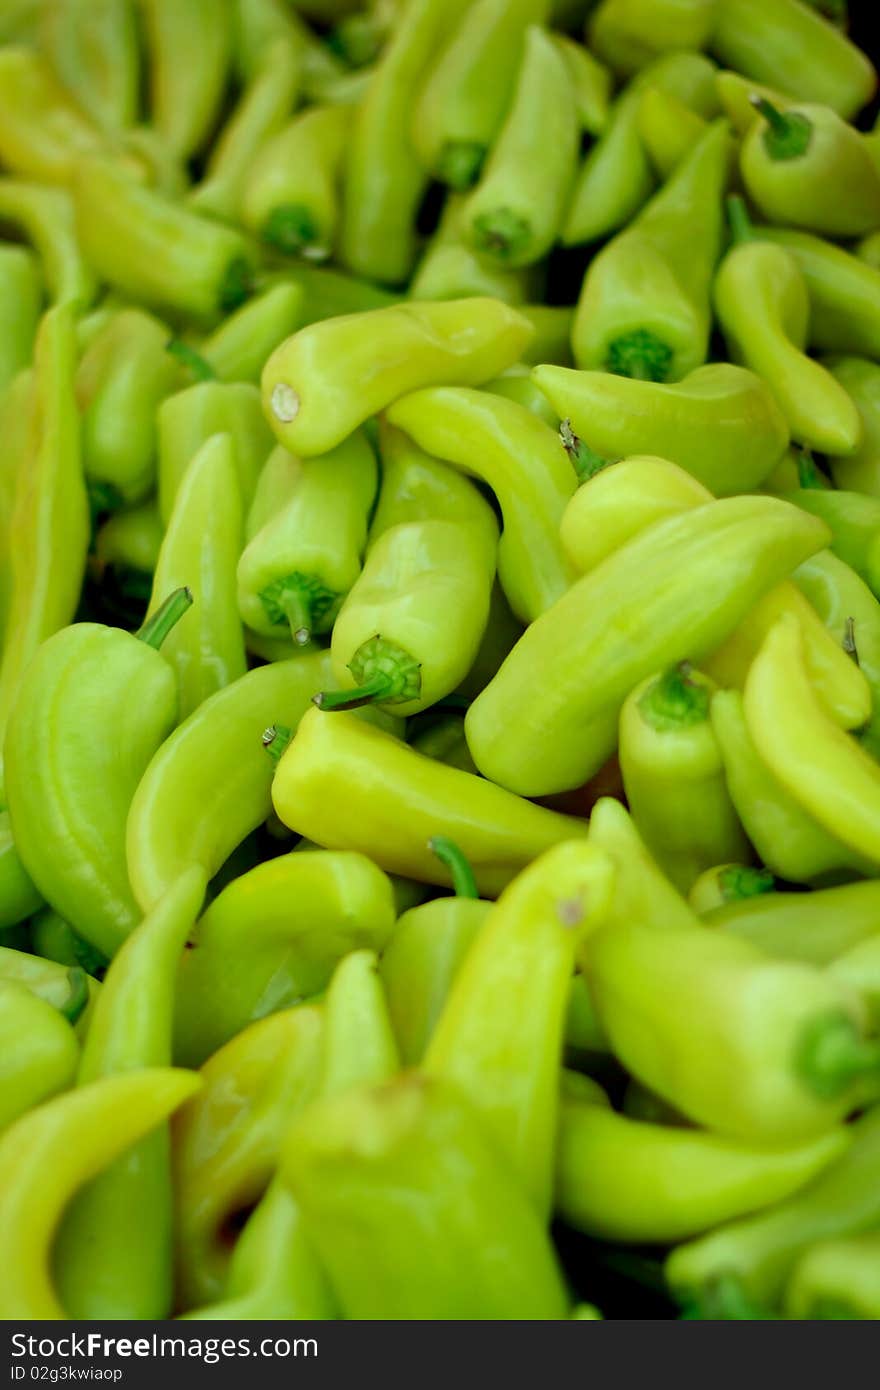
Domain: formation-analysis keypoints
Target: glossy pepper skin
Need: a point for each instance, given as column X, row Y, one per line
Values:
column 569, row 726
column 298, row 566
column 844, row 291
column 94, row 50
column 498, row 833
column 190, row 417
column 273, row 937
column 817, row 927
column 452, row 1234
column 155, row 250
column 237, row 349
column 859, row 472
column 837, row 1279
column 47, row 217
column 525, row 465
column 451, row 269
column 632, row 1180
column 673, row 776
column 185, row 96
column 40, row 1051
column 59, row 984
column 514, row 214
column 644, row 307
column 731, row 406
column 110, row 700
column 330, row 377
column 91, row 1126
column 110, row 1262
column 207, row 786
column 469, row 89
column 806, row 167
column 786, row 44
column 853, row 518
column 669, row 129
column 519, row 966
column 291, row 195
column 226, row 1142
column 755, row 1255
column 21, row 293
column 763, row 308
column 43, row 132
column 627, row 34
column 19, row 895
column 591, row 84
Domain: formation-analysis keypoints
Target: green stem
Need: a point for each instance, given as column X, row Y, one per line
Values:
column 788, row 134
column 833, row 1055
column 726, row 1300
column 275, row 740
column 78, row 998
column 291, row 228
column 849, row 640
column 739, row 881
column 810, row 476
column 584, row 461
column 640, row 355
column 157, row 628
column 460, row 163
column 741, row 229
column 503, row 233
column 674, row 700
column 236, row 286
column 377, row 688
column 447, row 851
column 194, row 361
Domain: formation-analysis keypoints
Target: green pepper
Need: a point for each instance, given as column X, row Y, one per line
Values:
column 854, row 521
column 733, row 550
column 16, row 412
column 189, row 48
column 290, row 196
column 763, row 307
column 669, row 129
column 736, row 94
column 39, row 1050
column 263, row 107
column 327, row 787
column 60, row 984
column 627, row 34
column 226, row 1141
column 859, row 472
column 273, row 937
column 516, row 385
column 644, row 306
column 787, row 838
column 501, row 634
column 299, row 565
column 641, row 891
column 208, row 786
column 331, row 292
column 384, row 179
column 122, row 377
column 19, row 21
column 143, row 243
column 69, row 794
column 634, row 1180
column 450, row 269
column 524, row 464
column 721, row 423
column 20, row 295
column 43, row 133
column 463, row 103
column 56, row 941
column 90, row 1126
column 591, row 84
column 402, row 1171
column 109, row 1262
column 94, row 50
column 330, row 377
column 816, row 927
column 127, row 544
column 47, row 218
column 237, row 349
column 19, row 895
column 806, row 167
column 786, row 44
column 754, row 1256
column 514, row 214
column 260, row 22
column 201, row 546
column 50, row 518
column 844, row 292
column 673, row 776
column 551, row 326
column 187, row 420
column 837, row 1279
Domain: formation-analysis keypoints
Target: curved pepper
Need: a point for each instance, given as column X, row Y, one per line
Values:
column 187, row 420
column 273, row 937
column 496, row 831
column 859, row 472
column 208, row 786
column 403, row 1171
column 627, row 34
column 469, row 90
column 514, row 214
column 683, row 586
column 669, row 130
column 143, row 243
column 330, row 377
column 47, row 217
column 807, row 167
column 69, row 793
column 754, row 1256
column 825, row 770
column 200, row 547
column 20, row 295
column 816, row 927
column 524, row 464
column 226, row 1142
column 451, row 269
column 784, row 43
column 38, row 1048
column 644, row 307
column 94, row 50
column 591, row 83
column 516, row 385
column 763, row 308
column 237, row 349
column 844, row 292
column 852, row 615
column 290, row 197
column 673, row 776
column 110, row 1262
column 297, row 568
column 632, row 1180
column 417, row 487
column 90, row 1126
column 854, row 520
column 721, row 403
column 186, row 91
column 43, row 133
column 519, row 968
column 837, row 1279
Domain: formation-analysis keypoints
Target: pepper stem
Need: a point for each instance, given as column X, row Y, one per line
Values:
column 583, row 460
column 640, row 355
column 382, row 671
column 849, row 640
column 78, row 997
column 675, row 700
column 809, row 475
column 788, row 133
column 447, row 851
column 275, row 740
column 502, row 234
column 192, row 360
column 157, row 628
column 738, row 881
column 460, row 162
column 833, row 1055
column 741, row 229
column 236, row 286
column 373, row 691
column 291, row 228
column 300, row 600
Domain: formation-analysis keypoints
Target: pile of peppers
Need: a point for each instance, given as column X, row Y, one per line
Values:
column 440, row 685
